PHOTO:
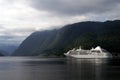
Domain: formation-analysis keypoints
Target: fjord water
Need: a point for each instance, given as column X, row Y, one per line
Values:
column 33, row 68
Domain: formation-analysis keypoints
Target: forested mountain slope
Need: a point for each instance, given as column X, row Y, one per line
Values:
column 86, row 34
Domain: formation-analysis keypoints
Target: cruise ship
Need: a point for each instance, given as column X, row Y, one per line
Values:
column 97, row 52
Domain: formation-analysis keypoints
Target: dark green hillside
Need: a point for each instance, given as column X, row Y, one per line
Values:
column 87, row 34
column 36, row 41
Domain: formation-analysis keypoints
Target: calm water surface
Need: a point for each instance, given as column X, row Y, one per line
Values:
column 33, row 68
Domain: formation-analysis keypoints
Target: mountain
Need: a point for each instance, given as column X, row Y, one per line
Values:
column 37, row 40
column 1, row 54
column 86, row 34
column 7, row 49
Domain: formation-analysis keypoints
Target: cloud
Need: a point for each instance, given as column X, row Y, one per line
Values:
column 75, row 7
column 19, row 18
column 13, row 36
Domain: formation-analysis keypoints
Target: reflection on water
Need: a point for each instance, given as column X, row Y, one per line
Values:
column 32, row 68
column 93, row 69
column 86, row 69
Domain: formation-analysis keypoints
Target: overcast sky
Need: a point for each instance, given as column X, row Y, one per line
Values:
column 19, row 18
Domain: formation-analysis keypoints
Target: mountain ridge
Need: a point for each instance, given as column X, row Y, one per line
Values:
column 87, row 34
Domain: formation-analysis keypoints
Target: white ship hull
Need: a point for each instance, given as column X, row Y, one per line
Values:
column 87, row 56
